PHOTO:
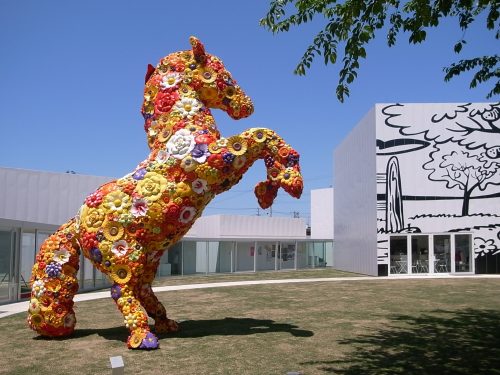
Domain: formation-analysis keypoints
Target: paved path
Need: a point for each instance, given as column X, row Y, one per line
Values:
column 14, row 308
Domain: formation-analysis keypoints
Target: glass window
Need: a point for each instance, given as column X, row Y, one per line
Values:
column 224, row 256
column 28, row 250
column 266, row 254
column 301, row 255
column 5, row 263
column 398, row 254
column 174, row 258
column 245, row 252
column 442, row 252
column 419, row 254
column 287, row 255
column 189, row 254
column 463, row 252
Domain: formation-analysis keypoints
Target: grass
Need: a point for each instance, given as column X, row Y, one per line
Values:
column 247, row 276
column 426, row 326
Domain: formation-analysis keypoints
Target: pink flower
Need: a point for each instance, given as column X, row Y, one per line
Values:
column 120, row 248
column 199, row 186
column 187, row 214
column 139, row 207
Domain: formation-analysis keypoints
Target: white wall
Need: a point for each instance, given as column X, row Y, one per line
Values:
column 43, row 197
column 355, row 200
column 322, row 213
column 234, row 226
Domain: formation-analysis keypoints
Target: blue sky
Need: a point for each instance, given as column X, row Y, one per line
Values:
column 72, row 76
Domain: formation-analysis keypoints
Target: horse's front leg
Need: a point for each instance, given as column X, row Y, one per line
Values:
column 282, row 164
column 152, row 305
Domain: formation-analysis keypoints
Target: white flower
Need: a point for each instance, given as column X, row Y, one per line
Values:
column 120, row 248
column 483, row 247
column 139, row 207
column 187, row 106
column 162, row 156
column 61, row 256
column 170, row 80
column 38, row 288
column 199, row 186
column 187, row 214
column 181, row 144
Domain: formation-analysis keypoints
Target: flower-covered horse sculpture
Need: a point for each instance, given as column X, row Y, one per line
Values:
column 126, row 225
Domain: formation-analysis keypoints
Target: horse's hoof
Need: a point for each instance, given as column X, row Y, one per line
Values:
column 166, row 326
column 143, row 340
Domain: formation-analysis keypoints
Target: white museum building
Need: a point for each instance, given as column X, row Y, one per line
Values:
column 417, row 191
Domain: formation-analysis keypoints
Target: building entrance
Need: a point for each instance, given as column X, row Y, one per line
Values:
column 430, row 253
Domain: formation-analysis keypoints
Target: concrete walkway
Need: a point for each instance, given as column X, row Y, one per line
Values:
column 15, row 308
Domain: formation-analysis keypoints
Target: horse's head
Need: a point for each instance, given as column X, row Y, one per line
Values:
column 197, row 75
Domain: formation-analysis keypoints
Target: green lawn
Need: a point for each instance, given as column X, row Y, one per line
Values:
column 248, row 276
column 427, row 326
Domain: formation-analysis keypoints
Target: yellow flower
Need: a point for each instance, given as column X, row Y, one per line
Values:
column 236, row 145
column 214, row 148
column 136, row 339
column 183, row 189
column 120, row 273
column 113, row 231
column 188, row 163
column 92, row 218
column 259, row 135
column 117, row 201
column 151, row 186
column 36, row 320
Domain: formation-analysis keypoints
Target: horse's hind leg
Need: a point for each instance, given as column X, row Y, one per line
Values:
column 134, row 317
column 54, row 284
column 156, row 310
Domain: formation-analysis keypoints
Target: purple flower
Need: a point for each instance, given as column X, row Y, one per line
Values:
column 53, row 269
column 200, row 152
column 139, row 174
column 149, row 342
column 269, row 161
column 228, row 157
column 116, row 292
column 96, row 255
column 292, row 160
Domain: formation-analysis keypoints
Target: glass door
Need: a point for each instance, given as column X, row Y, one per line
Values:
column 419, row 254
column 442, row 253
column 398, row 246
column 8, row 283
column 463, row 252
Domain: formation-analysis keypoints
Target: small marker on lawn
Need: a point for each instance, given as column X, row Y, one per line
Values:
column 117, row 365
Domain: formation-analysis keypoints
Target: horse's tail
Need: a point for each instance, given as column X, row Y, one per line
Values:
column 54, row 283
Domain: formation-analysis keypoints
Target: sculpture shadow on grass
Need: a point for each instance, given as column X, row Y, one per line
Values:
column 440, row 342
column 201, row 328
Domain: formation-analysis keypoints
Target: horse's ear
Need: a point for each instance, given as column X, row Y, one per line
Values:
column 149, row 72
column 198, row 50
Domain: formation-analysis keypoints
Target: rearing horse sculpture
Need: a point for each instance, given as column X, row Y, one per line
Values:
column 126, row 225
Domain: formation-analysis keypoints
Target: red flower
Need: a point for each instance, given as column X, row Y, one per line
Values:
column 216, row 161
column 204, row 138
column 165, row 101
column 89, row 240
column 172, row 211
column 94, row 199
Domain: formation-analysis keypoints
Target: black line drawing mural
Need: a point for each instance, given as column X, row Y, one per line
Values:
column 394, row 218
column 465, row 169
column 448, row 166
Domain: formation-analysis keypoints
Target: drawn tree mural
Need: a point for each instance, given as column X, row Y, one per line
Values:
column 467, row 170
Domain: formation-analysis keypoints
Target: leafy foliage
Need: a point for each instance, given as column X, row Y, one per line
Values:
column 354, row 23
